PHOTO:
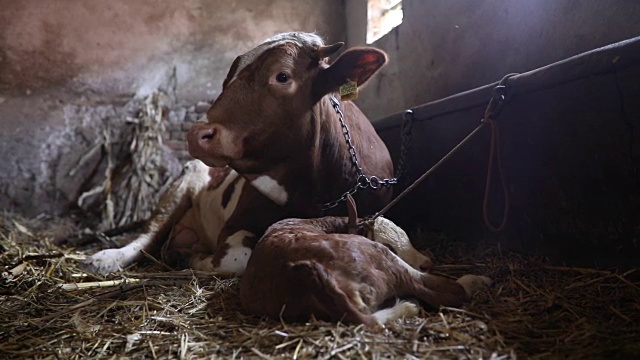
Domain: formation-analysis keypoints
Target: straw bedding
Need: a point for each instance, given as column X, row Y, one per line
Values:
column 51, row 309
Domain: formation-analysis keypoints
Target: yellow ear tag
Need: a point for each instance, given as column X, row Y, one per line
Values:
column 349, row 91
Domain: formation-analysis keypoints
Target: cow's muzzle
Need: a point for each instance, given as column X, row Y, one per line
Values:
column 213, row 144
column 200, row 138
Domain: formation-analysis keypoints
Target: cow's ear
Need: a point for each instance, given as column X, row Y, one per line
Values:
column 357, row 64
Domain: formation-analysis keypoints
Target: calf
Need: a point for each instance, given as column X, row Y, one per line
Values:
column 312, row 267
column 277, row 148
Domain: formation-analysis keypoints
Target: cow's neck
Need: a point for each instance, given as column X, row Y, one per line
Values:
column 334, row 169
column 314, row 175
column 309, row 179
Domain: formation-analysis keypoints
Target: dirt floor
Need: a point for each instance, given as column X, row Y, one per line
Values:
column 51, row 309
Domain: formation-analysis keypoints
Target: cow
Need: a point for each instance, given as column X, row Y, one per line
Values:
column 276, row 144
column 303, row 268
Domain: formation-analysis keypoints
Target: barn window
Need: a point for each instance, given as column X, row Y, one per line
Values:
column 383, row 16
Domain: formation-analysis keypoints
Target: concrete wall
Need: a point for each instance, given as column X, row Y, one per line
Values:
column 124, row 46
column 444, row 47
column 68, row 67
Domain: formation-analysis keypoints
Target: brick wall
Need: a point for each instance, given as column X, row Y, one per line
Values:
column 179, row 121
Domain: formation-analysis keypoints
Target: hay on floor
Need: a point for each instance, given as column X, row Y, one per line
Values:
column 51, row 309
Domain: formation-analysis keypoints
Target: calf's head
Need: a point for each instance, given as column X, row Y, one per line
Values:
column 267, row 111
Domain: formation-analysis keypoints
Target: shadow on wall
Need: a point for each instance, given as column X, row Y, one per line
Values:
column 444, row 47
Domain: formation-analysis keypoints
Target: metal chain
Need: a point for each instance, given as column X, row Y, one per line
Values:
column 405, row 145
column 362, row 181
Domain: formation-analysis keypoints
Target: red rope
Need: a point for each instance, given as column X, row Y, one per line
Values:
column 493, row 109
column 494, row 152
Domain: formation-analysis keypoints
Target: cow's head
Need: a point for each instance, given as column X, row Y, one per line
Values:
column 266, row 112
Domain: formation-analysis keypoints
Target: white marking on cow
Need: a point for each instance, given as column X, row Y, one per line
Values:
column 237, row 256
column 235, row 197
column 386, row 232
column 271, row 189
column 210, row 203
column 400, row 310
column 302, row 39
column 196, row 176
column 412, row 271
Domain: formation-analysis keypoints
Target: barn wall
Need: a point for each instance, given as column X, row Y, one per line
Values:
column 69, row 69
column 444, row 47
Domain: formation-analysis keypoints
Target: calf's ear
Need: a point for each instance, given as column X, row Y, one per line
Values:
column 357, row 64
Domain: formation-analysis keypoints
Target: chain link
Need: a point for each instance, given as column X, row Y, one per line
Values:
column 362, row 181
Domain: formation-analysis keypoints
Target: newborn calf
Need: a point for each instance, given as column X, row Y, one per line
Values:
column 313, row 267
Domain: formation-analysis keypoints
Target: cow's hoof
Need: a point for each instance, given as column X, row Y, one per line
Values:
column 104, row 262
column 473, row 283
column 409, row 309
column 400, row 310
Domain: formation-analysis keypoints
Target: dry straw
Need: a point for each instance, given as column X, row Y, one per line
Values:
column 133, row 180
column 50, row 309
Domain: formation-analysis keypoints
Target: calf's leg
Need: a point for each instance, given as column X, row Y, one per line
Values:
column 112, row 260
column 307, row 289
column 436, row 290
column 400, row 310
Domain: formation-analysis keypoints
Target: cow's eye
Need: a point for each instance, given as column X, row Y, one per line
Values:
column 282, row 77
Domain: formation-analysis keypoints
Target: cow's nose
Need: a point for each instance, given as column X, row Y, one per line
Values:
column 200, row 138
column 207, row 134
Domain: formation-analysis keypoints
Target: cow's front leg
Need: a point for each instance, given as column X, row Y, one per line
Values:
column 113, row 260
column 173, row 205
column 231, row 256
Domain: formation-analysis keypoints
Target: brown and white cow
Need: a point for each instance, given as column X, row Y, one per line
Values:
column 276, row 149
column 312, row 267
